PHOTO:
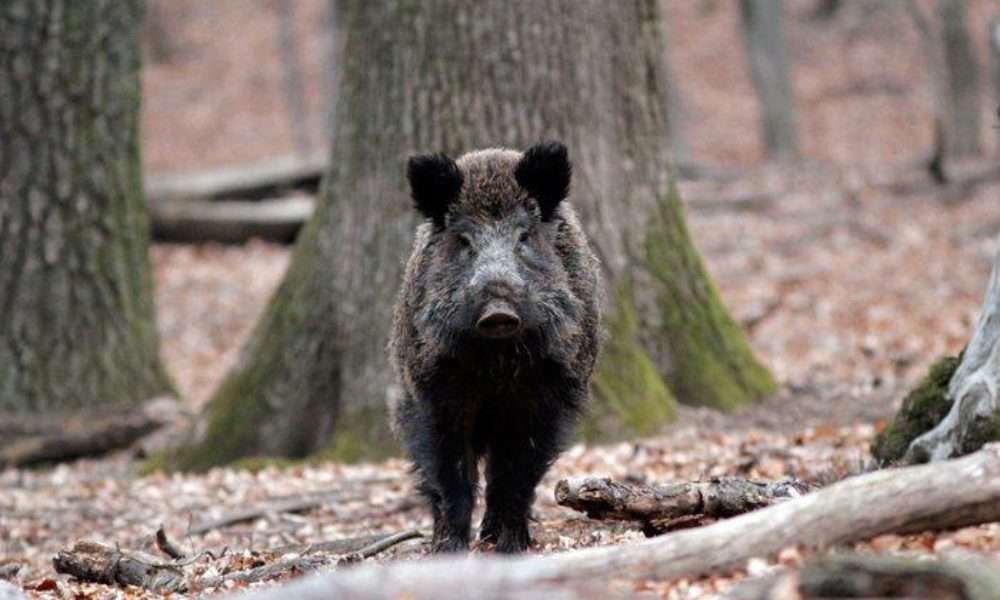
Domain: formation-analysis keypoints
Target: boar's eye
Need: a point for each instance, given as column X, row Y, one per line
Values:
column 464, row 240
column 523, row 236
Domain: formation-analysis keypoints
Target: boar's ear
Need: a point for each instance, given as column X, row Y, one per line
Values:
column 434, row 182
column 544, row 171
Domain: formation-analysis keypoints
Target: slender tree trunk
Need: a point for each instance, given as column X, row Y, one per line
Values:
column 295, row 101
column 770, row 70
column 77, row 335
column 994, row 34
column 962, row 72
column 419, row 76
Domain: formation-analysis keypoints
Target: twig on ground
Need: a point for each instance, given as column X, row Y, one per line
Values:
column 381, row 546
column 167, row 546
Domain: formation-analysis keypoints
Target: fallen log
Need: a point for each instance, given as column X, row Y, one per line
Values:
column 935, row 496
column 231, row 221
column 655, row 507
column 260, row 179
column 29, row 440
column 968, row 577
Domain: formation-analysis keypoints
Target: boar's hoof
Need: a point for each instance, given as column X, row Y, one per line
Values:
column 449, row 544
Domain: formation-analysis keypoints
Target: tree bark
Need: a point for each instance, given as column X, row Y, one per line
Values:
column 937, row 496
column 423, row 76
column 974, row 414
column 76, row 313
column 962, row 72
column 770, row 70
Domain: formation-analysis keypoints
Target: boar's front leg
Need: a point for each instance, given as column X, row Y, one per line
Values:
column 447, row 471
column 514, row 467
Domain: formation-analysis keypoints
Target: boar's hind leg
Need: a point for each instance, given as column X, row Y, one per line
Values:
column 514, row 468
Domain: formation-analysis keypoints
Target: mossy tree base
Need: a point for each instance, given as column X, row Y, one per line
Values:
column 702, row 352
column 923, row 408
column 969, row 396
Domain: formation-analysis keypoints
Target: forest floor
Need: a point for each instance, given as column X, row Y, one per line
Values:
column 849, row 288
column 849, row 280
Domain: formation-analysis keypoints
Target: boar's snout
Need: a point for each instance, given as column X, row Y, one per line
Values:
column 498, row 320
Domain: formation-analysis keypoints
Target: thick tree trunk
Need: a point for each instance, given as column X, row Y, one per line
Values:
column 974, row 414
column 421, row 76
column 770, row 70
column 962, row 72
column 76, row 316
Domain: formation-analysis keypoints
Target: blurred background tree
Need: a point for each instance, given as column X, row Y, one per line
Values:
column 78, row 345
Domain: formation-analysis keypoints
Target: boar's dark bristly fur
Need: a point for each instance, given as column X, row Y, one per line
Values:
column 495, row 335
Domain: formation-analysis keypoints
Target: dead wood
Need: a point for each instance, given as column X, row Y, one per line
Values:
column 90, row 561
column 656, row 506
column 99, row 563
column 291, row 505
column 381, row 545
column 260, row 179
column 277, row 219
column 968, row 577
column 29, row 440
column 935, row 496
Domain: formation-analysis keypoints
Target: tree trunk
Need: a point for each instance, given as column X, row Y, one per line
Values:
column 770, row 70
column 974, row 414
column 77, row 335
column 421, row 76
column 994, row 36
column 962, row 72
column 294, row 84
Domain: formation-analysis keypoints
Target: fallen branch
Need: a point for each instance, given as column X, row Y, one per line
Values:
column 381, row 545
column 292, row 505
column 936, row 496
column 657, row 505
column 867, row 576
column 99, row 563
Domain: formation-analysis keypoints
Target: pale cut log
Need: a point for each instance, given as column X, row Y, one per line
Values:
column 927, row 497
column 9, row 591
column 974, row 416
column 719, row 498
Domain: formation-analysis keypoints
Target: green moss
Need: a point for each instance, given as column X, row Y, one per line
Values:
column 629, row 395
column 922, row 409
column 704, row 354
column 361, row 435
column 255, row 464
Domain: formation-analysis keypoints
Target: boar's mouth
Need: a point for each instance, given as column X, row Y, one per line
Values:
column 498, row 321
